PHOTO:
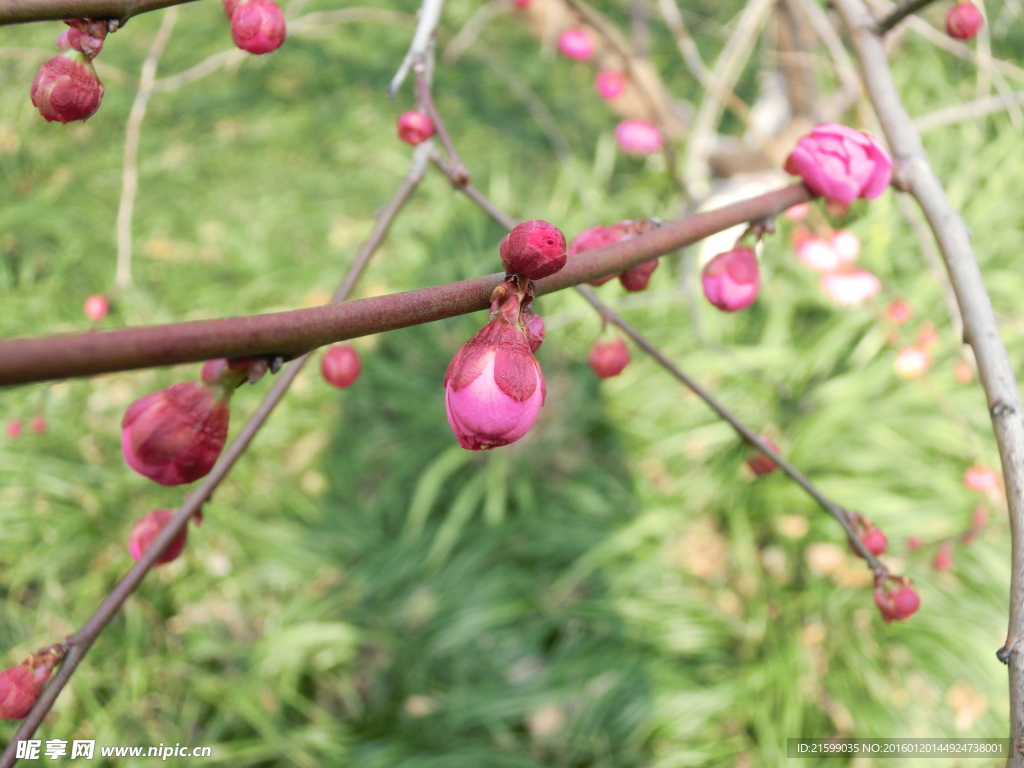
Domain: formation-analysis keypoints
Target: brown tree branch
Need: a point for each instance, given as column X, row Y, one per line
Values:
column 902, row 11
column 21, row 11
column 44, row 358
column 981, row 330
column 80, row 642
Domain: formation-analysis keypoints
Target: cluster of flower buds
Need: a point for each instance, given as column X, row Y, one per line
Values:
column 608, row 358
column 633, row 279
column 257, row 26
column 414, row 127
column 494, row 386
column 896, row 601
column 149, row 526
column 841, row 164
column 21, row 685
column 66, row 87
column 870, row 535
column 964, row 20
column 760, row 464
column 340, row 365
column 174, row 436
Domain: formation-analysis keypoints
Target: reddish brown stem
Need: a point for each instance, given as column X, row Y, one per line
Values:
column 21, row 11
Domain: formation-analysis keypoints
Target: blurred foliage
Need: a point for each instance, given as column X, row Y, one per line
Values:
column 615, row 589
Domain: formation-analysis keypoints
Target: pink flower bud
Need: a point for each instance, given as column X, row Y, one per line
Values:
column 913, row 543
column 19, row 689
column 229, row 7
column 636, row 278
column 731, row 280
column 981, row 479
column 609, row 84
column 258, row 26
column 850, row 287
column 535, row 332
column 608, row 358
column 14, row 429
column 96, row 307
column 912, row 363
column 84, row 35
column 963, row 372
column 964, row 20
column 899, row 312
column 341, row 366
column 494, row 387
column 761, row 464
column 841, row 164
column 595, row 237
column 797, row 212
column 897, row 604
column 638, row 136
column 521, row 3
column 576, row 44
column 943, row 556
column 174, row 436
column 38, row 424
column 534, row 249
column 874, row 541
column 414, row 127
column 66, row 88
column 147, row 528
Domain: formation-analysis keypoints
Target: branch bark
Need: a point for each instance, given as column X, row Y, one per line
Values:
column 981, row 330
column 44, row 358
column 21, row 11
column 901, row 12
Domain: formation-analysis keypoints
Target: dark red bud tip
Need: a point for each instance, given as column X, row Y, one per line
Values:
column 341, row 366
column 608, row 358
column 414, row 127
column 761, row 464
column 66, row 88
column 533, row 249
column 964, row 20
column 258, row 26
column 145, row 531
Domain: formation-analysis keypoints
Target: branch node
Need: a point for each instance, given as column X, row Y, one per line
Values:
column 1004, row 654
column 1000, row 409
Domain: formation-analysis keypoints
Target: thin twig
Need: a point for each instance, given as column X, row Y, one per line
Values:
column 472, row 29
column 429, row 18
column 424, row 76
column 967, row 110
column 82, row 640
column 980, row 326
column 844, row 66
column 902, row 11
column 130, row 171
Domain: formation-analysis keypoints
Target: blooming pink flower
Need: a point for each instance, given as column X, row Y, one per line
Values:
column 534, row 249
column 636, row 278
column 147, row 528
column 340, row 366
column 608, row 358
column 576, row 44
column 943, row 556
column 981, row 479
column 964, row 20
column 850, row 287
column 897, row 604
column 760, row 463
column 258, row 26
column 66, row 88
column 899, row 312
column 96, row 307
column 14, row 429
column 912, row 362
column 841, row 164
column 874, row 541
column 174, row 436
column 797, row 212
column 731, row 280
column 414, row 127
column 494, row 387
column 638, row 136
column 609, row 84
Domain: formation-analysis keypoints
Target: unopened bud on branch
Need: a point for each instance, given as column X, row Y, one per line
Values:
column 898, row 603
column 96, row 307
column 608, row 358
column 576, row 44
column 760, row 463
column 636, row 278
column 414, row 127
column 66, row 88
column 21, row 685
column 145, row 531
column 258, row 26
column 533, row 249
column 340, row 365
column 638, row 137
column 964, row 20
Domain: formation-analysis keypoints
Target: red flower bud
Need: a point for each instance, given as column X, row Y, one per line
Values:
column 762, row 464
column 147, row 528
column 899, row 312
column 19, row 690
column 340, row 366
column 174, row 436
column 964, row 20
column 874, row 541
column 897, row 604
column 14, row 429
column 732, row 280
column 576, row 44
column 85, row 36
column 96, row 307
column 534, row 249
column 414, row 127
column 258, row 26
column 595, row 237
column 636, row 278
column 608, row 358
column 66, row 88
column 609, row 84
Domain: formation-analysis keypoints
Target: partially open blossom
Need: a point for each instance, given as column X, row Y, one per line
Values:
column 609, row 84
column 912, row 362
column 608, row 358
column 96, row 307
column 638, row 136
column 494, row 387
column 534, row 249
column 174, row 436
column 38, row 424
column 963, row 372
column 981, row 479
column 943, row 556
column 14, row 429
column 85, row 36
column 636, row 278
column 66, row 88
column 850, row 287
column 898, row 603
column 258, row 26
column 899, row 312
column 576, row 44
column 964, row 20
column 732, row 280
column 797, row 212
column 874, row 541
column 760, row 463
column 414, row 127
column 841, row 164
column 147, row 528
column 340, row 365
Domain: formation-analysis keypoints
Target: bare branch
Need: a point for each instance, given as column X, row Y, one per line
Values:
column 472, row 29
column 902, row 11
column 21, row 11
column 429, row 17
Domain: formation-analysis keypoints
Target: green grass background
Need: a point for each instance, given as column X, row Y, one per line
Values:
column 613, row 590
